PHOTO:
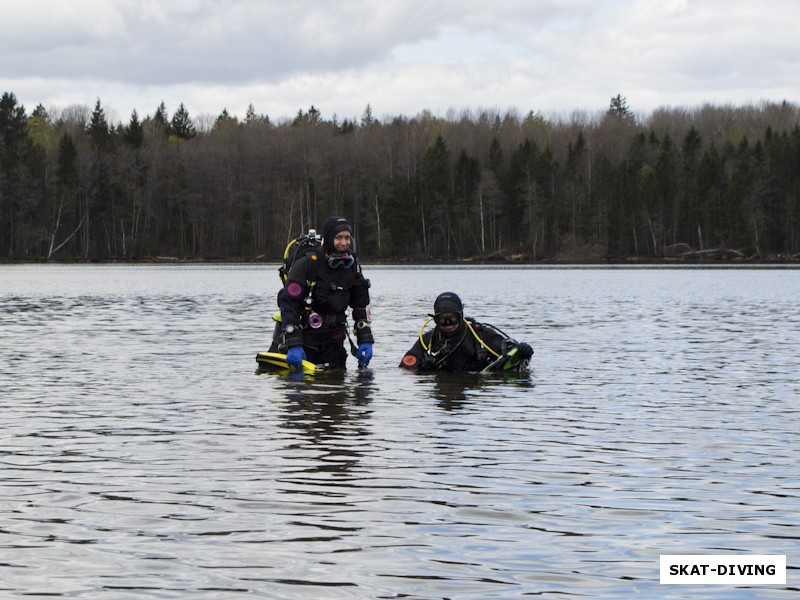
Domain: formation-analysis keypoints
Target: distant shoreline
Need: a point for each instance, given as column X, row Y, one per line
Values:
column 481, row 262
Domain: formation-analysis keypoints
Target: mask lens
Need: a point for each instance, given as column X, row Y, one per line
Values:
column 342, row 260
column 447, row 319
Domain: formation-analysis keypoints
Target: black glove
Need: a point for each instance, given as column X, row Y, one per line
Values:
column 525, row 351
column 292, row 336
column 363, row 333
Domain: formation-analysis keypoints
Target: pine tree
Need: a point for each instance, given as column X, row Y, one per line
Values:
column 160, row 120
column 618, row 108
column 98, row 129
column 182, row 125
column 250, row 115
column 435, row 190
column 225, row 120
column 133, row 134
column 14, row 146
column 314, row 116
column 367, row 120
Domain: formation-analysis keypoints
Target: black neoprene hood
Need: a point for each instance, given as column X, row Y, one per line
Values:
column 448, row 302
column 331, row 227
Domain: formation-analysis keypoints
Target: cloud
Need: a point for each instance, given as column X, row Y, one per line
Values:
column 705, row 50
column 153, row 43
column 399, row 56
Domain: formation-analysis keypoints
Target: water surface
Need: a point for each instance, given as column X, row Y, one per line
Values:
column 143, row 457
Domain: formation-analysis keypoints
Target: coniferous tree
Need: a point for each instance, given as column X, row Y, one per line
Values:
column 98, row 129
column 492, row 194
column 98, row 236
column 14, row 147
column 252, row 118
column 66, row 218
column 435, row 186
column 133, row 134
column 577, row 189
column 225, row 120
column 182, row 125
column 667, row 209
column 710, row 190
column 619, row 109
column 466, row 182
column 689, row 216
column 367, row 120
column 737, row 225
column 160, row 121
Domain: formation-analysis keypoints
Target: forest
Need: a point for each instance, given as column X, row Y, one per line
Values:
column 705, row 183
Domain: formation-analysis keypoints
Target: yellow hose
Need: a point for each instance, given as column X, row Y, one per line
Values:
column 421, row 341
column 477, row 337
column 469, row 326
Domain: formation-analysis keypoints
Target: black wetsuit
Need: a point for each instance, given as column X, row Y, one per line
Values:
column 321, row 327
column 459, row 352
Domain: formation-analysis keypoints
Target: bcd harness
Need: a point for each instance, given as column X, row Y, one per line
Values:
column 306, row 245
column 482, row 350
column 310, row 245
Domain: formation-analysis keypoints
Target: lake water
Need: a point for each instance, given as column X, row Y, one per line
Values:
column 142, row 456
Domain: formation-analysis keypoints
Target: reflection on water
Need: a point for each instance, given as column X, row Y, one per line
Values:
column 142, row 458
column 457, row 391
column 330, row 410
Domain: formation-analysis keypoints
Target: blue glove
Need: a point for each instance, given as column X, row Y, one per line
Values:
column 364, row 354
column 295, row 357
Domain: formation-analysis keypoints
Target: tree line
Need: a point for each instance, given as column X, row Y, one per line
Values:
column 719, row 181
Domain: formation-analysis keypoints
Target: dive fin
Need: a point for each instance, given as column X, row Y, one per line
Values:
column 506, row 362
column 277, row 361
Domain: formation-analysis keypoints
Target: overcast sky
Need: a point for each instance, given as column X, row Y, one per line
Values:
column 398, row 56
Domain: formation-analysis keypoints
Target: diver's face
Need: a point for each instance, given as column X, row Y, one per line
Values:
column 342, row 241
column 448, row 322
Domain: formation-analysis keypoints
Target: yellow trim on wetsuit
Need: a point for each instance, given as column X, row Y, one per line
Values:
column 469, row 326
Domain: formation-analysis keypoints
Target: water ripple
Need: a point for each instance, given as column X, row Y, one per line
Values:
column 142, row 457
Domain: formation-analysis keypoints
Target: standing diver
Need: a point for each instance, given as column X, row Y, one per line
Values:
column 459, row 343
column 318, row 289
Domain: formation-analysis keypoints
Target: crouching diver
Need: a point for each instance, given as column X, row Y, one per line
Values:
column 458, row 343
column 317, row 291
